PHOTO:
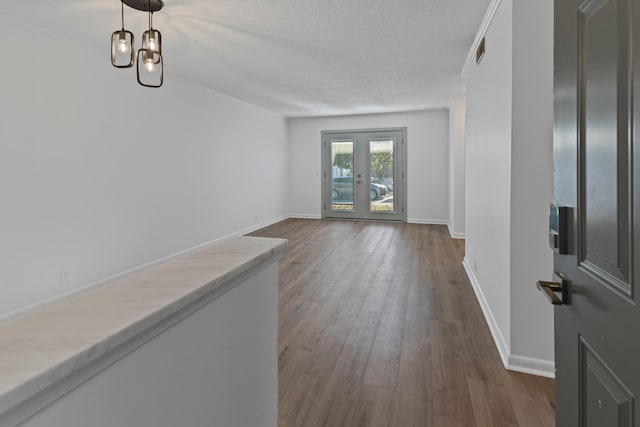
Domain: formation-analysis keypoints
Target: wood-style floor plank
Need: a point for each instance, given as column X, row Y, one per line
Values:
column 379, row 327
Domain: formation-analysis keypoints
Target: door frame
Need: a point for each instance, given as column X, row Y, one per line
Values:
column 402, row 174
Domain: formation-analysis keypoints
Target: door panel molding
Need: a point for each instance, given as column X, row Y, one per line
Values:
column 604, row 398
column 604, row 143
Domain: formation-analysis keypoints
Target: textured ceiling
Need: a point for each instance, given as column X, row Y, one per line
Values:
column 295, row 57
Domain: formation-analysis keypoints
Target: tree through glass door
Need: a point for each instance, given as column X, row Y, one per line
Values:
column 363, row 174
column 342, row 182
column 382, row 176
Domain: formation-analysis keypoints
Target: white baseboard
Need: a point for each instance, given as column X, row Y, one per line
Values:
column 305, row 216
column 498, row 337
column 528, row 365
column 453, row 234
column 253, row 228
column 512, row 362
column 427, row 221
column 409, row 220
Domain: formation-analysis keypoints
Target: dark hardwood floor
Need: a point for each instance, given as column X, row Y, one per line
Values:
column 379, row 326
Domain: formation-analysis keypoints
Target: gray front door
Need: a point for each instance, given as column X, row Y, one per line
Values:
column 596, row 109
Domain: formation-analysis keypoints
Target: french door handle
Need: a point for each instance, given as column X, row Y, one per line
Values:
column 552, row 289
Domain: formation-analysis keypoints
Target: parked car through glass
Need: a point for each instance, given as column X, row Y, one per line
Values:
column 343, row 189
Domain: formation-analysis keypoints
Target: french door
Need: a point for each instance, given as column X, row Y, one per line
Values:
column 363, row 174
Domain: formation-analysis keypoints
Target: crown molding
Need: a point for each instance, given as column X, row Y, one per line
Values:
column 486, row 21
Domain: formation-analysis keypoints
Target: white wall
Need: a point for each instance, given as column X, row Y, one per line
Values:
column 488, row 173
column 531, row 178
column 509, row 181
column 456, row 167
column 427, row 163
column 99, row 175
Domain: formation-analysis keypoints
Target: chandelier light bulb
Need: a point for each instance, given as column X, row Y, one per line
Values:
column 152, row 44
column 149, row 65
column 123, row 46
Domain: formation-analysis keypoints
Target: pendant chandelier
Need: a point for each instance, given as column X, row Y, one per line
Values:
column 150, row 70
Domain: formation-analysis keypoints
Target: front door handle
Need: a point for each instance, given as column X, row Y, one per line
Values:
column 552, row 289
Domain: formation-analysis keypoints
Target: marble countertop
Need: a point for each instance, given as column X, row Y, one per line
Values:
column 38, row 350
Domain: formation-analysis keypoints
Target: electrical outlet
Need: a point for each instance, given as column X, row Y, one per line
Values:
column 64, row 277
column 475, row 265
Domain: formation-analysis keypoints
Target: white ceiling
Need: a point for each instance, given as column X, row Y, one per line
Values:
column 295, row 57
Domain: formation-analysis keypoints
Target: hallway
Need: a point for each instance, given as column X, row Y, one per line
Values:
column 379, row 326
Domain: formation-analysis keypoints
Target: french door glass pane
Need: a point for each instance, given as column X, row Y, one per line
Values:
column 382, row 173
column 342, row 182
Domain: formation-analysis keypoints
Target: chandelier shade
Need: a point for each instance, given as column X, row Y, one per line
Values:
column 152, row 40
column 122, row 46
column 122, row 49
column 150, row 68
